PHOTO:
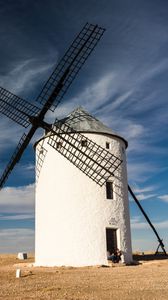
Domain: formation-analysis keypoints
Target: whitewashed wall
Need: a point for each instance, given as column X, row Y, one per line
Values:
column 72, row 212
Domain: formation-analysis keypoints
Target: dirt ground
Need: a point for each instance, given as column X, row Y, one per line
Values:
column 147, row 280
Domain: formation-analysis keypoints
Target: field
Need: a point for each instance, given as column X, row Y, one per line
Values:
column 147, row 280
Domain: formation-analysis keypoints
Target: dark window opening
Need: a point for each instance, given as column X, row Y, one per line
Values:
column 84, row 143
column 109, row 190
column 58, row 145
column 41, row 151
column 111, row 240
column 107, row 145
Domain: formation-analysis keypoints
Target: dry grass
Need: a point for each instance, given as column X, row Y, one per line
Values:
column 148, row 281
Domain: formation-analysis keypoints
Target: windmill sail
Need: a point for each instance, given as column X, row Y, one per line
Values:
column 16, row 108
column 53, row 91
column 69, row 66
column 93, row 160
column 24, row 141
column 41, row 153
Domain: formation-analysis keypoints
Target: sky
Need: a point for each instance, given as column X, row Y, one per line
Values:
column 123, row 84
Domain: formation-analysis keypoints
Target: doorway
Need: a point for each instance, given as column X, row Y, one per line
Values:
column 111, row 240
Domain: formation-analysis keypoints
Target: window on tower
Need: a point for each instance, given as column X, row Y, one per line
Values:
column 109, row 190
column 84, row 143
column 107, row 145
column 59, row 145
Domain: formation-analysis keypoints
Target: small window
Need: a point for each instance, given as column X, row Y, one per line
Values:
column 109, row 190
column 41, row 151
column 84, row 143
column 107, row 145
column 58, row 145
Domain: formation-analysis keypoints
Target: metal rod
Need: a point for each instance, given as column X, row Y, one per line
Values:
column 148, row 220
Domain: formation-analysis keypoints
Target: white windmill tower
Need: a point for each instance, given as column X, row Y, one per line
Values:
column 77, row 219
column 101, row 157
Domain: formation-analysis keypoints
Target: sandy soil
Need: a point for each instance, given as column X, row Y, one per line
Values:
column 147, row 280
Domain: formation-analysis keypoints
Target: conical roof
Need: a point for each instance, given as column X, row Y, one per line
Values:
column 81, row 121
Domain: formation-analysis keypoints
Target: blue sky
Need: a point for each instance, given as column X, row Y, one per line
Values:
column 123, row 83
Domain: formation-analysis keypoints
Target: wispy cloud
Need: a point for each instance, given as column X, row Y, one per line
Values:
column 29, row 167
column 140, row 171
column 145, row 189
column 145, row 196
column 145, row 192
column 16, row 217
column 136, row 223
column 17, row 199
column 164, row 198
column 26, row 74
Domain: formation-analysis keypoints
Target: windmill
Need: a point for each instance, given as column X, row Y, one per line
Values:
column 95, row 161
